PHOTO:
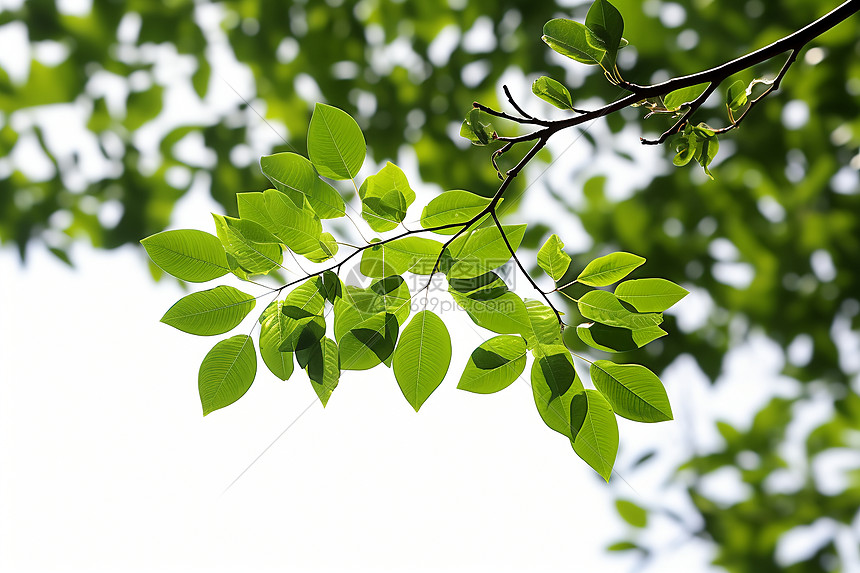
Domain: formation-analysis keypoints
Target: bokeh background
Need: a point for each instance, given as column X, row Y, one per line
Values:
column 119, row 119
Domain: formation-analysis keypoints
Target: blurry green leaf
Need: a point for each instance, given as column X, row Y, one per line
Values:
column 633, row 391
column 336, row 145
column 422, row 357
column 632, row 514
column 494, row 365
column 227, row 371
column 210, row 312
column 606, row 270
column 187, row 254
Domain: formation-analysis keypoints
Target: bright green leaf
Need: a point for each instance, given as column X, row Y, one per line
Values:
column 477, row 128
column 336, row 145
column 551, row 373
column 650, row 295
column 596, row 431
column 476, row 252
column 385, row 197
column 452, row 207
column 552, row 258
column 227, row 371
column 606, row 26
column 210, row 312
column 187, row 254
column 275, row 328
column 323, row 369
column 409, row 254
column 297, row 226
column 328, row 248
column 603, row 307
column 494, row 365
column 422, row 357
column 570, row 38
column 633, row 391
column 676, row 99
column 604, row 271
column 552, row 92
column 251, row 249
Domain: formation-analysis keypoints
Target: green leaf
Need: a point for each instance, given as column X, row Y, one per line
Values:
column 504, row 313
column 275, row 328
column 336, row 145
column 477, row 128
column 609, row 269
column 305, row 325
column 293, row 174
column 494, row 365
column 227, row 371
column 606, row 26
column 323, row 369
column 210, row 312
column 552, row 258
column 369, row 343
column 330, row 286
column 736, row 96
column 650, row 295
column 409, row 254
column 603, row 307
column 710, row 146
column 386, row 295
column 551, row 373
column 297, row 226
column 476, row 252
column 623, row 546
column 422, row 357
column 251, row 249
column 617, row 339
column 686, row 149
column 632, row 514
column 552, row 92
column 545, row 329
column 290, row 173
column 328, row 248
column 633, row 391
column 595, row 431
column 452, row 207
column 187, row 254
column 385, row 197
column 673, row 101
column 570, row 38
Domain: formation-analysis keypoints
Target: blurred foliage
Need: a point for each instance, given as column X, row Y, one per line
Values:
column 784, row 211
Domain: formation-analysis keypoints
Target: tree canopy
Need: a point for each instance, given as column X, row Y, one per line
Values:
column 770, row 247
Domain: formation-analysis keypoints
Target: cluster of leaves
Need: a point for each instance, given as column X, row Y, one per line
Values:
column 372, row 326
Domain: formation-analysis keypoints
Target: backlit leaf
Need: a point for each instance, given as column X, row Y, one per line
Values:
column 552, row 258
column 336, row 145
column 210, row 312
column 494, row 365
column 650, row 295
column 422, row 357
column 227, row 372
column 596, row 431
column 609, row 269
column 633, row 391
column 187, row 254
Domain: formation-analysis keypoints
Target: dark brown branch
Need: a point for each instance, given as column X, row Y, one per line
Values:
column 772, row 87
column 524, row 271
